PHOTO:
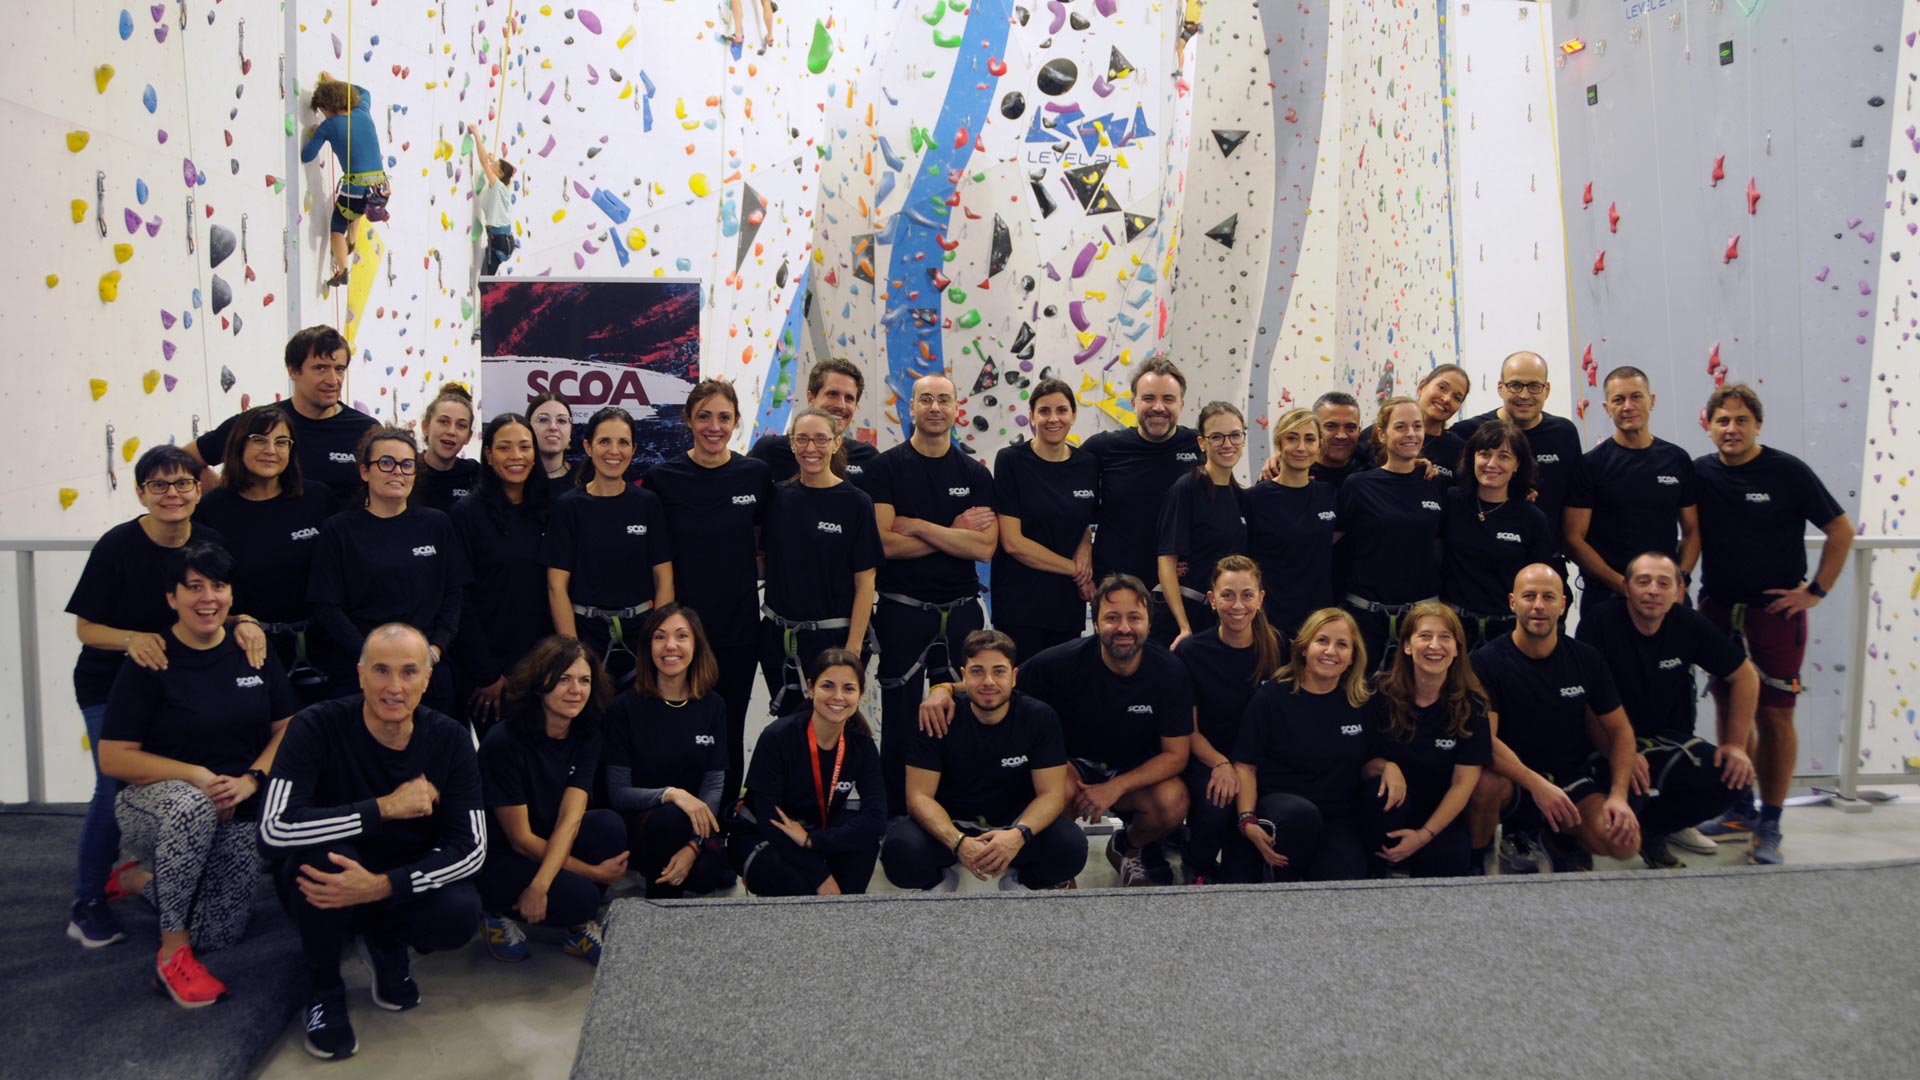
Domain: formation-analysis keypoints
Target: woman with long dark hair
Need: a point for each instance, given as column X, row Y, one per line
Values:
column 609, row 558
column 549, row 858
column 1492, row 530
column 500, row 525
column 801, row 838
column 666, row 759
column 1202, row 521
column 552, row 421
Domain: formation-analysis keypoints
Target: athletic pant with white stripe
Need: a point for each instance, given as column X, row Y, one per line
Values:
column 431, row 921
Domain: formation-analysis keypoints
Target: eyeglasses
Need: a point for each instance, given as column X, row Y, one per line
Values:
column 261, row 442
column 1533, row 388
column 388, row 463
column 1226, row 438
column 822, row 441
column 942, row 400
column 182, row 485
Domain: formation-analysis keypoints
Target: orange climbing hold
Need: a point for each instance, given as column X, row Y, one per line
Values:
column 1600, row 262
column 1733, row 249
column 1719, row 170
column 1753, row 197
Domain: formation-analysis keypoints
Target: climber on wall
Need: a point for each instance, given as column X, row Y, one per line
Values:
column 349, row 129
column 496, row 213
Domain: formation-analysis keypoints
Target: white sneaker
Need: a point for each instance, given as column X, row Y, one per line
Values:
column 949, row 880
column 1692, row 839
column 1010, row 882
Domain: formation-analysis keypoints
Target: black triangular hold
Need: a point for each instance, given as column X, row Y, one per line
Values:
column 863, row 258
column 1023, row 343
column 1103, row 202
column 1086, row 181
column 1229, row 140
column 989, row 377
column 1117, row 64
column 1223, row 232
column 750, row 204
column 1002, row 247
column 1137, row 224
column 1043, row 199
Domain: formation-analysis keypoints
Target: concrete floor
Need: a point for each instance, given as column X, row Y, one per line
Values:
column 479, row 1017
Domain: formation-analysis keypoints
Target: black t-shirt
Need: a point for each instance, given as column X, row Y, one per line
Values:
column 1655, row 672
column 664, row 745
column 1751, row 520
column 209, row 707
column 124, row 585
column 506, row 612
column 934, row 489
column 1443, row 451
column 325, row 447
column 1636, row 497
column 534, row 771
column 986, row 770
column 1391, row 523
column 1135, row 475
column 409, row 568
column 1542, row 704
column 1223, row 683
column 1054, row 502
column 272, row 543
column 439, row 490
column 609, row 544
column 1290, row 534
column 1310, row 745
column 1202, row 522
column 1480, row 558
column 1106, row 718
column 1333, row 476
column 1555, row 443
column 817, row 539
column 712, row 515
column 1427, row 759
column 777, row 452
column 781, row 775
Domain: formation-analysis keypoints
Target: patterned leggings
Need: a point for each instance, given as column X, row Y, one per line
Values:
column 204, row 869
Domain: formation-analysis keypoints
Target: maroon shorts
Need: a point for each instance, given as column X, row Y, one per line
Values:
column 1776, row 643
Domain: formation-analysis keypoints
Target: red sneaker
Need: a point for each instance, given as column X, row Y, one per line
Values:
column 190, row 985
column 115, row 889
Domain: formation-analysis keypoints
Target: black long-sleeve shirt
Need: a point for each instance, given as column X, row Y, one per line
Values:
column 781, row 776
column 371, row 570
column 330, row 773
column 505, row 612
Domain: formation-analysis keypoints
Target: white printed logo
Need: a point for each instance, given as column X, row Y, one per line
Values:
column 1758, row 497
column 636, row 530
column 341, row 457
column 829, row 527
column 424, row 550
column 703, row 740
column 1442, row 470
column 1349, row 729
column 461, row 493
column 1083, row 493
column 304, row 534
column 1547, row 459
column 1671, row 663
column 1013, row 762
column 1140, row 710
column 1186, row 457
column 1328, row 515
column 959, row 492
column 1668, row 480
column 1573, row 691
column 1511, row 538
column 744, row 500
column 248, row 682
column 844, row 787
column 855, row 470
column 1429, row 504
column 1443, row 744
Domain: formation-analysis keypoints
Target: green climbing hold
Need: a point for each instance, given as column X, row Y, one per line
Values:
column 947, row 41
column 932, row 18
column 970, row 320
column 1390, row 87
column 822, row 50
column 466, row 309
column 957, row 294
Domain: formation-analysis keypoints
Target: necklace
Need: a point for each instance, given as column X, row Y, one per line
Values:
column 671, row 704
column 1483, row 507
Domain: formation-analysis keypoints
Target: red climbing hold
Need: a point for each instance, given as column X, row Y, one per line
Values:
column 1719, row 170
column 1586, row 195
column 1600, row 262
column 960, row 139
column 1733, row 249
column 1613, row 217
column 1753, row 197
column 996, row 67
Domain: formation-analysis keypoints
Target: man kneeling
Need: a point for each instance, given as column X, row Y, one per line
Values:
column 989, row 795
column 373, row 813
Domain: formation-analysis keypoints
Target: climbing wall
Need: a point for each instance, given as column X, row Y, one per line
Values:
column 146, row 271
column 1742, row 146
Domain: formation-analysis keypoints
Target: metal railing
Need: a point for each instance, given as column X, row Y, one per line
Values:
column 34, row 747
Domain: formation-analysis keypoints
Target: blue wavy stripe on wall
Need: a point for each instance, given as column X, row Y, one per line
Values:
column 776, row 399
column 1446, row 148
column 923, row 218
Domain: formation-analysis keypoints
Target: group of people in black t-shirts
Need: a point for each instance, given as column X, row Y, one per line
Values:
column 1354, row 666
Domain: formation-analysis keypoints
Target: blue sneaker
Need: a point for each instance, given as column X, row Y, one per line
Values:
column 1736, row 823
column 1766, row 847
column 93, row 924
column 583, row 941
column 505, row 940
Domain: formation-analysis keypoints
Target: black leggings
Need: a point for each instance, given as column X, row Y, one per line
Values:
column 1162, row 627
column 433, row 921
column 1448, row 854
column 657, row 835
column 1210, row 829
column 913, row 859
column 736, row 663
column 1033, row 639
column 1318, row 846
column 903, row 633
column 779, row 867
column 571, row 899
column 1687, row 785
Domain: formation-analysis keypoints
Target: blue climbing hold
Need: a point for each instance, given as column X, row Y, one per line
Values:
column 126, row 24
column 150, row 99
column 140, row 191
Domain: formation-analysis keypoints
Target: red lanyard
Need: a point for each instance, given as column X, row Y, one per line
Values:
column 825, row 795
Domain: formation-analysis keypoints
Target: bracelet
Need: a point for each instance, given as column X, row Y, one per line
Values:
column 1247, row 818
column 246, row 619
column 1224, row 761
column 957, row 843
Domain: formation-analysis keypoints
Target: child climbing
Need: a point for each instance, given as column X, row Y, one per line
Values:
column 764, row 9
column 348, row 127
column 496, row 214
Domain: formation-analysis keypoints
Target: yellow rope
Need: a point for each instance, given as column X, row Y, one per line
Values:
column 1566, row 249
column 500, row 110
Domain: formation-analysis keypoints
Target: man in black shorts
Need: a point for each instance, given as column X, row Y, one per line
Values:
column 374, row 820
column 1563, row 752
column 990, row 793
column 1126, row 708
column 1651, row 644
column 325, row 429
column 835, row 385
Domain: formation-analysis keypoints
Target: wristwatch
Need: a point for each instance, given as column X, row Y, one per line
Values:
column 259, row 779
column 1026, row 834
column 1813, row 586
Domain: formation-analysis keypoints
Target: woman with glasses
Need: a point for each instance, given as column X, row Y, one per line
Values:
column 271, row 519
column 384, row 562
column 552, row 421
column 121, row 613
column 500, row 526
column 1045, row 491
column 608, row 554
column 445, row 476
column 1202, row 521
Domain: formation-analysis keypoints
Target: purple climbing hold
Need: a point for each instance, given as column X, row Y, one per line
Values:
column 160, row 33
column 1865, row 289
column 1821, row 275
column 1084, row 259
column 589, row 20
column 1059, row 16
column 170, row 382
column 166, row 320
column 548, row 149
column 166, row 350
column 1108, row 7
column 153, row 227
column 187, row 172
column 133, row 221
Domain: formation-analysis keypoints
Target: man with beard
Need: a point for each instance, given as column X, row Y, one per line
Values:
column 1137, row 467
column 834, row 385
column 325, row 429
column 1524, row 389
column 1563, row 751
column 1126, row 709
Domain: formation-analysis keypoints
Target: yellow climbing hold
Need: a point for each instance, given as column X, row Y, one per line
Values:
column 130, row 448
column 679, row 108
column 110, row 286
column 636, row 238
column 546, row 9
column 79, row 211
column 445, row 222
column 560, row 213
column 67, row 498
column 102, row 75
column 625, row 37
column 77, row 140
column 122, row 252
column 151, row 379
column 443, row 151
column 626, row 92
column 700, row 185
column 52, row 280
column 99, row 388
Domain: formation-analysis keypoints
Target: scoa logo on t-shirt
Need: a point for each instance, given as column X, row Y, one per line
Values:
column 1328, row 515
column 340, row 457
column 744, row 500
column 1443, row 470
column 1083, row 493
column 1511, row 538
column 461, row 493
column 1758, row 497
column 1187, row 457
column 1443, row 744
column 636, row 530
column 304, row 534
column 1350, row 729
column 1429, row 504
column 1671, row 663
column 1668, row 480
column 855, row 470
column 1573, row 691
column 959, row 492
column 1140, row 710
column 1546, row 459
column 829, row 527
column 844, row 787
column 248, row 682
column 425, row 550
column 703, row 740
column 1013, row 762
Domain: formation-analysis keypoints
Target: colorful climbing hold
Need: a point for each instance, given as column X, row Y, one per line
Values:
column 122, row 252
column 129, row 448
column 701, row 186
column 77, row 140
column 1613, row 217
column 110, row 286
column 98, row 387
column 68, row 497
column 1719, row 171
column 822, row 49
column 1600, row 262
column 102, row 75
column 150, row 380
column 1753, row 197
column 79, row 211
column 52, row 280
column 1733, row 249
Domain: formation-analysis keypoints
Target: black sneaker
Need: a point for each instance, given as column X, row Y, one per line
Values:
column 93, row 924
column 329, row 1034
column 1154, row 858
column 1568, row 857
column 1520, row 852
column 1658, row 854
column 392, row 969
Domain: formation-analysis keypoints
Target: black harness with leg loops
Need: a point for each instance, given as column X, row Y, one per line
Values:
column 923, row 661
column 790, row 660
column 303, row 672
column 616, row 632
column 1738, row 617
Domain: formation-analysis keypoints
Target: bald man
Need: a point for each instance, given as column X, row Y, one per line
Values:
column 1564, row 764
column 1524, row 388
column 934, row 507
column 374, row 819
